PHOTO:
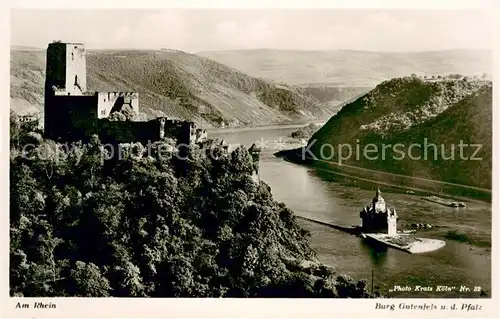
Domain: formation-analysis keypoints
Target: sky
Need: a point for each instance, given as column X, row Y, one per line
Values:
column 195, row 30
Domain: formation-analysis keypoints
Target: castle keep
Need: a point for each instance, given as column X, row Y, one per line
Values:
column 71, row 113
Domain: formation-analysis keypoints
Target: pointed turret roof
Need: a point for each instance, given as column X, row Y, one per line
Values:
column 378, row 196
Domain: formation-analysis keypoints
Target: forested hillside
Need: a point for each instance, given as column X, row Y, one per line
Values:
column 84, row 224
column 412, row 110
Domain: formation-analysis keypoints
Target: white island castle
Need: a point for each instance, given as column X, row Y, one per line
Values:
column 379, row 224
column 378, row 218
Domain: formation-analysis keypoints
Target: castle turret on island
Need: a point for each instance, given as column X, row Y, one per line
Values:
column 377, row 218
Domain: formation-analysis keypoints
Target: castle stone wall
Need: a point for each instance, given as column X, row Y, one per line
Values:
column 129, row 131
column 70, row 117
column 183, row 131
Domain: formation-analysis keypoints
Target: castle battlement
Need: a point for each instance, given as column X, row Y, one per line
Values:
column 117, row 94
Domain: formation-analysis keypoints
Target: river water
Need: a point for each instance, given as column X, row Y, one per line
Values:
column 321, row 195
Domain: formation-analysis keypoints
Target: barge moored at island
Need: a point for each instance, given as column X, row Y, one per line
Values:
column 445, row 202
column 379, row 225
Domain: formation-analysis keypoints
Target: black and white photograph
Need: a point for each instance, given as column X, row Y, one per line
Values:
column 243, row 153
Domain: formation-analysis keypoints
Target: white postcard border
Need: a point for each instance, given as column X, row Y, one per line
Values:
column 283, row 308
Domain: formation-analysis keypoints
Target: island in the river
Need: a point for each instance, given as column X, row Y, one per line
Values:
column 379, row 225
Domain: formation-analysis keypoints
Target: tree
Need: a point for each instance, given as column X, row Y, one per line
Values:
column 86, row 280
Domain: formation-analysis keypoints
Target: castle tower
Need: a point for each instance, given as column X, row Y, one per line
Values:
column 65, row 75
column 66, row 69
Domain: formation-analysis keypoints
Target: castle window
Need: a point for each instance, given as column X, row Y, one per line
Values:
column 76, row 79
column 103, row 112
column 72, row 56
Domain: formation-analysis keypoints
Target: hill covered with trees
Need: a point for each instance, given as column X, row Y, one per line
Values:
column 440, row 111
column 83, row 223
column 173, row 83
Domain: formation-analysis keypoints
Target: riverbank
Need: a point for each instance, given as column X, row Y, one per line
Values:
column 406, row 183
column 263, row 127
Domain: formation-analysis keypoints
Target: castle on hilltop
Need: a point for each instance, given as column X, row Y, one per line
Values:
column 71, row 113
column 377, row 218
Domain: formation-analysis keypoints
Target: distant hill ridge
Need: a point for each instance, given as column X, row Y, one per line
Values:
column 350, row 68
column 173, row 83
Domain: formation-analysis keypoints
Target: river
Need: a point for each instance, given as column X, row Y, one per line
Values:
column 321, row 195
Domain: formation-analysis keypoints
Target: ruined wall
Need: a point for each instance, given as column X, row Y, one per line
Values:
column 108, row 101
